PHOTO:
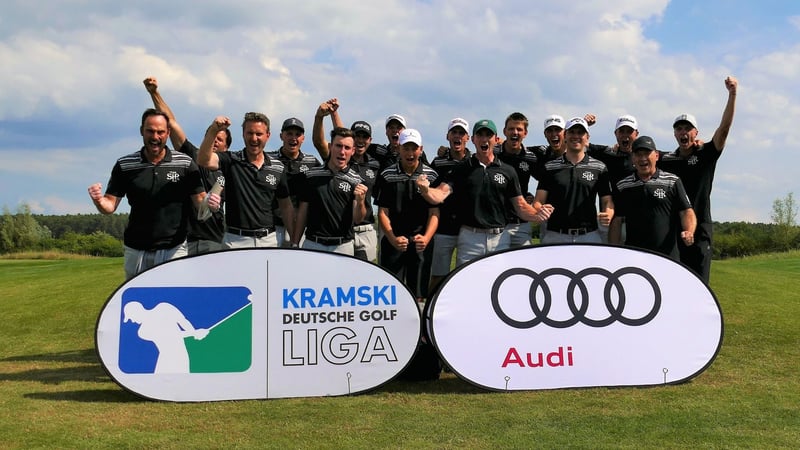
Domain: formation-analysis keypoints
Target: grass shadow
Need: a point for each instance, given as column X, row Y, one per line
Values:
column 89, row 396
column 85, row 373
column 73, row 356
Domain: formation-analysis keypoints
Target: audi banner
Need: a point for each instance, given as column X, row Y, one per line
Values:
column 563, row 316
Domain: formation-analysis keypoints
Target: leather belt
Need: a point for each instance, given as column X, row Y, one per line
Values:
column 483, row 230
column 574, row 231
column 329, row 240
column 261, row 232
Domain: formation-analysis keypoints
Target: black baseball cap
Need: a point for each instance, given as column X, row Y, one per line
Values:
column 293, row 122
column 644, row 143
column 362, row 126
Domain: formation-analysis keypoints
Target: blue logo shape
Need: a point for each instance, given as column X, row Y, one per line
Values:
column 186, row 330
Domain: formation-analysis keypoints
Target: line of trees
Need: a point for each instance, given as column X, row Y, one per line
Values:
column 101, row 235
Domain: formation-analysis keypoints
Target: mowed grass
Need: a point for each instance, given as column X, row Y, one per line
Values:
column 54, row 393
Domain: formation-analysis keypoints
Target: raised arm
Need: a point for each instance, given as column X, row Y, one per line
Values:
column 176, row 135
column 105, row 204
column 206, row 157
column 318, row 138
column 721, row 135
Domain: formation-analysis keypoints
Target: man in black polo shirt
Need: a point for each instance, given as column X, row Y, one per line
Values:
column 365, row 236
column 482, row 187
column 331, row 200
column 524, row 161
column 204, row 235
column 617, row 158
column 653, row 204
column 695, row 165
column 572, row 184
column 161, row 186
column 408, row 221
column 295, row 162
column 252, row 181
column 445, row 240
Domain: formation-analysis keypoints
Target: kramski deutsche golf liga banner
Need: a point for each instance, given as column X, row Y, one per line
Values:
column 258, row 323
column 565, row 316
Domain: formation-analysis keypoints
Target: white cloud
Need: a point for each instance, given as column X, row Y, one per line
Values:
column 79, row 67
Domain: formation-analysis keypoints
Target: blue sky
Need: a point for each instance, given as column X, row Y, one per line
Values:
column 71, row 93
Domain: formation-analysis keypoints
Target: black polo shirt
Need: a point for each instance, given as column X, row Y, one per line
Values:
column 408, row 210
column 293, row 168
column 159, row 196
column 251, row 190
column 330, row 201
column 652, row 211
column 483, row 192
column 544, row 154
column 524, row 163
column 617, row 162
column 573, row 191
column 449, row 223
column 697, row 174
column 368, row 170
column 213, row 228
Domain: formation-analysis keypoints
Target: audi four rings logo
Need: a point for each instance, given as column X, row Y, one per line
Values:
column 616, row 313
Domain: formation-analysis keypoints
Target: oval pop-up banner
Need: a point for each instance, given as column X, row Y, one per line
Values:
column 565, row 316
column 258, row 323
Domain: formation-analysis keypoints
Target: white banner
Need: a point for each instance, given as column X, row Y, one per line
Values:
column 564, row 316
column 258, row 323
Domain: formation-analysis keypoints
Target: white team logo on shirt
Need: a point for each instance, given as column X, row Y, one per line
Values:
column 173, row 176
column 370, row 174
column 499, row 178
column 304, row 168
column 659, row 193
column 221, row 180
column 588, row 176
column 271, row 179
column 344, row 186
column 523, row 166
column 692, row 160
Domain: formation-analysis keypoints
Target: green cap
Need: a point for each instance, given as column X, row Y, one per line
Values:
column 484, row 123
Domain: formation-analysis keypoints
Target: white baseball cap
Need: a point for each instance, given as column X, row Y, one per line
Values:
column 577, row 121
column 626, row 121
column 398, row 118
column 410, row 135
column 458, row 122
column 685, row 118
column 554, row 121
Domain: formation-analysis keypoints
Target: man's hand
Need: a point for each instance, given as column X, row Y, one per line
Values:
column 543, row 211
column 731, row 84
column 151, row 84
column 420, row 243
column 360, row 192
column 96, row 192
column 220, row 123
column 401, row 243
column 687, row 237
column 605, row 218
column 328, row 107
column 590, row 119
column 214, row 202
column 423, row 184
column 442, row 151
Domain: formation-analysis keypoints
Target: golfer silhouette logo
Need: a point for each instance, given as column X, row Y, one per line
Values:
column 181, row 330
column 166, row 327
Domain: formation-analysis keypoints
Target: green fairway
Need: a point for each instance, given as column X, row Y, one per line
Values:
column 54, row 393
